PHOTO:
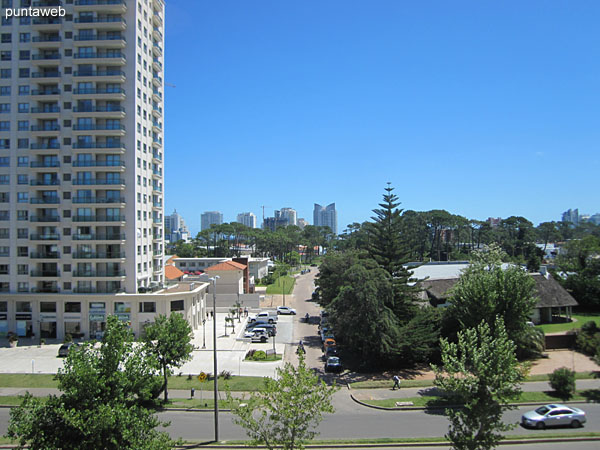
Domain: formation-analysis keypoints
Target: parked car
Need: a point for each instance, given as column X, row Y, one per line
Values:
column 270, row 327
column 266, row 316
column 286, row 310
column 64, row 349
column 554, row 415
column 333, row 364
column 326, row 333
column 315, row 296
column 329, row 342
column 330, row 351
column 260, row 337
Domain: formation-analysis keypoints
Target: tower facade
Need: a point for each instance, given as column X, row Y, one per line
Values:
column 325, row 216
column 209, row 218
column 247, row 218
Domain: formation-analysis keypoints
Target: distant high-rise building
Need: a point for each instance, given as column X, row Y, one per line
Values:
column 175, row 228
column 290, row 215
column 302, row 223
column 494, row 221
column 325, row 216
column 247, row 218
column 273, row 223
column 571, row 215
column 595, row 219
column 209, row 218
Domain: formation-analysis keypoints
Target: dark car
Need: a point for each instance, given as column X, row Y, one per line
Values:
column 333, row 364
column 330, row 351
column 64, row 349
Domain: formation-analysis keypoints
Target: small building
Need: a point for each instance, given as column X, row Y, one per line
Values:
column 232, row 276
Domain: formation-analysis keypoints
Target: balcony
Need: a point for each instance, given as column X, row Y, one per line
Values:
column 45, row 39
column 112, row 6
column 120, row 146
column 99, row 200
column 44, row 201
column 157, row 20
column 157, row 204
column 49, row 3
column 98, row 218
column 98, row 274
column 44, row 218
column 45, row 94
column 45, row 273
column 38, row 164
column 47, row 146
column 157, row 49
column 101, row 182
column 100, row 130
column 157, row 156
column 156, row 110
column 157, row 142
column 117, row 112
column 98, row 237
column 92, row 290
column 46, row 290
column 156, row 95
column 157, row 34
column 45, row 109
column 46, row 23
column 47, row 76
column 44, row 255
column 114, row 58
column 110, row 163
column 99, row 255
column 41, row 57
column 44, row 237
column 106, row 41
column 115, row 76
column 54, row 182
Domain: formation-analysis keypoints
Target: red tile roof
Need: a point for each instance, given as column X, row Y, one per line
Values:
column 173, row 273
column 227, row 265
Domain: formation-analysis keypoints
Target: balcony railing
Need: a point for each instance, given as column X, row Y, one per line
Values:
column 45, row 290
column 120, row 145
column 98, row 163
column 92, row 127
column 35, row 164
column 44, row 183
column 43, row 218
column 98, row 73
column 45, row 109
column 45, row 56
column 47, row 74
column 98, row 200
column 50, row 146
column 45, row 273
column 117, row 181
column 98, row 274
column 99, row 255
column 99, row 37
column 44, row 255
column 44, row 237
column 98, row 219
column 44, row 201
column 53, row 127
column 47, row 38
column 45, row 92
column 92, row 109
column 106, row 19
column 98, row 2
column 96, row 290
column 92, row 91
column 98, row 55
column 99, row 237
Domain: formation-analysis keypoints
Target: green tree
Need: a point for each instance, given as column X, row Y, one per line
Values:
column 486, row 290
column 169, row 340
column 480, row 372
column 287, row 410
column 562, row 381
column 581, row 264
column 105, row 391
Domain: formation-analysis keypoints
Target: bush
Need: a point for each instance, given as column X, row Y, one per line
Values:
column 589, row 327
column 225, row 374
column 68, row 337
column 563, row 382
column 259, row 355
column 588, row 343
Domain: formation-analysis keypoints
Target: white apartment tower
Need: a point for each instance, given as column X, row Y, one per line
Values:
column 247, row 218
column 290, row 215
column 325, row 216
column 209, row 218
column 81, row 149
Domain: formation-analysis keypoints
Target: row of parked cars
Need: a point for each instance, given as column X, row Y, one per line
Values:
column 330, row 349
column 263, row 325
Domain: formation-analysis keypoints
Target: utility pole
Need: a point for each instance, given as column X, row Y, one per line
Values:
column 216, row 389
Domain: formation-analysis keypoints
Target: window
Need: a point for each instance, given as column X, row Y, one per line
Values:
column 23, row 307
column 22, row 233
column 147, row 307
column 22, row 286
column 6, row 38
column 4, row 179
column 3, row 269
column 4, row 251
column 4, row 125
column 24, row 37
column 4, row 90
column 4, row 233
column 5, row 55
column 23, row 143
column 23, row 107
column 22, row 161
column 22, row 215
column 22, row 197
column 24, row 55
column 23, row 90
column 48, row 307
column 22, row 269
column 23, row 125
column 5, row 73
column 72, row 307
column 22, row 251
column 22, row 178
column 177, row 305
column 4, row 107
column 23, row 73
column 4, row 161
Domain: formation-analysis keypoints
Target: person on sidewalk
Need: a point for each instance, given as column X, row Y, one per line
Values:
column 396, row 379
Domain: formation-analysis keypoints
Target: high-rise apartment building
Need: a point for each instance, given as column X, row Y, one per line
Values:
column 209, row 218
column 571, row 215
column 175, row 228
column 325, row 216
column 247, row 218
column 81, row 149
column 290, row 215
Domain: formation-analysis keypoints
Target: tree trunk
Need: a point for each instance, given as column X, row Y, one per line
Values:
column 165, row 382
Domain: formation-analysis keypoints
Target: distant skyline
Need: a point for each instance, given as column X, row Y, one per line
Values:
column 484, row 109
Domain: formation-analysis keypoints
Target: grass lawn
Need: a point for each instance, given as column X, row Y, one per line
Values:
column 269, row 358
column 175, row 382
column 581, row 319
column 383, row 384
column 526, row 397
column 280, row 283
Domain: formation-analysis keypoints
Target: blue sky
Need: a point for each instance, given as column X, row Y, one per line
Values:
column 481, row 108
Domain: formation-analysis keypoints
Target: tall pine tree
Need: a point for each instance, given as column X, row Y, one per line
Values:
column 387, row 248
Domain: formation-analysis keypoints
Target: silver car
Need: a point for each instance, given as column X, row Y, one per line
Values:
column 554, row 415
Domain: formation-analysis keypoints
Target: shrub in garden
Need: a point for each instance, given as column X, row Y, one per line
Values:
column 562, row 382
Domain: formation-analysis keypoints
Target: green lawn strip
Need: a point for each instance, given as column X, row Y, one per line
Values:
column 581, row 319
column 382, row 384
column 235, row 383
column 280, row 283
column 526, row 397
column 195, row 403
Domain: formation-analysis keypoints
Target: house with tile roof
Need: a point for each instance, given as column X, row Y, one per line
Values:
column 231, row 277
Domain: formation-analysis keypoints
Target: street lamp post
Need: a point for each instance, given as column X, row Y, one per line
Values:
column 215, row 385
column 203, row 332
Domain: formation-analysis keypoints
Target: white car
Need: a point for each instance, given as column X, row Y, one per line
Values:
column 265, row 316
column 553, row 416
column 286, row 310
column 256, row 330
